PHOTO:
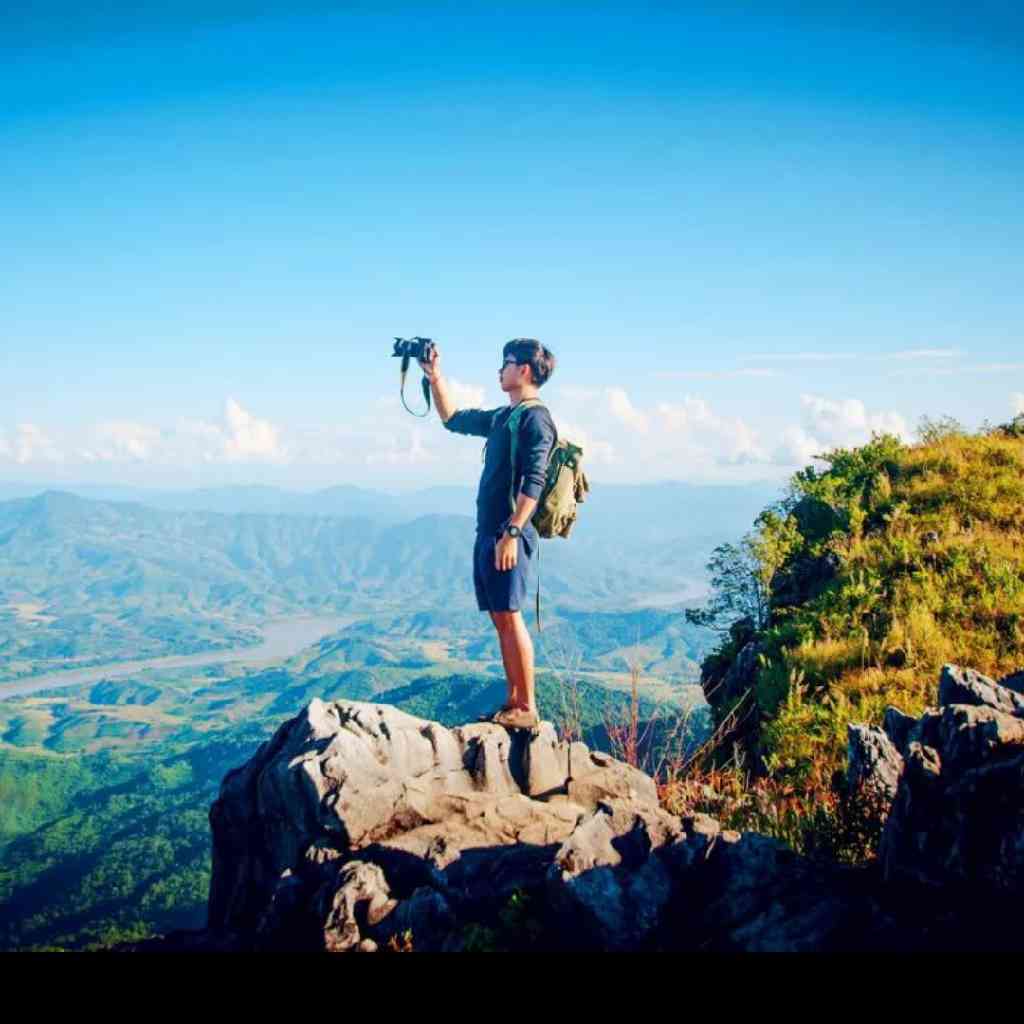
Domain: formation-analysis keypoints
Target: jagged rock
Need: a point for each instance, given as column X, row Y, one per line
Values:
column 752, row 893
column 732, row 688
column 349, row 780
column 604, row 882
column 874, row 765
column 359, row 889
column 547, row 766
column 971, row 735
column 965, row 686
column 356, row 824
column 898, row 727
column 1014, row 681
column 958, row 817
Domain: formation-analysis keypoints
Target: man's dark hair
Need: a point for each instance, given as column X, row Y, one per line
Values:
column 530, row 352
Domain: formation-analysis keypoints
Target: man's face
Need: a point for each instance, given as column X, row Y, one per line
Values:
column 512, row 374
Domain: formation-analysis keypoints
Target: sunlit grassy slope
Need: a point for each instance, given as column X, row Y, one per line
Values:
column 928, row 544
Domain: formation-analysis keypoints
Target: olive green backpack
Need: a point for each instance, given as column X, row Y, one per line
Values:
column 565, row 487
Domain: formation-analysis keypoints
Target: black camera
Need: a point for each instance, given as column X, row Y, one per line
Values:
column 408, row 349
column 414, row 348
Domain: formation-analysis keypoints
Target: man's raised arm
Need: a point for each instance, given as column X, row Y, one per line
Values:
column 438, row 386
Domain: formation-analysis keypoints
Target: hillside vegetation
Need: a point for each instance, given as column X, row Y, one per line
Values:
column 849, row 596
column 82, row 582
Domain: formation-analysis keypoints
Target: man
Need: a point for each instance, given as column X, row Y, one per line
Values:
column 506, row 541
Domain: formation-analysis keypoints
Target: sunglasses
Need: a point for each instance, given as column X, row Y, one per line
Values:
column 508, row 362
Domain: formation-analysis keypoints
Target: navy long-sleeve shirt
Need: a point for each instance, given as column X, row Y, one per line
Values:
column 537, row 436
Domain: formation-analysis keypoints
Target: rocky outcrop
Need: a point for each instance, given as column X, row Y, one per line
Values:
column 874, row 766
column 359, row 822
column 730, row 688
column 958, row 816
column 358, row 827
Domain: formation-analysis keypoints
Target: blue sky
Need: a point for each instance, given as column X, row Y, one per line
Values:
column 747, row 232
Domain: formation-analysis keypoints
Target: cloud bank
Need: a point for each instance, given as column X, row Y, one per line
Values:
column 622, row 439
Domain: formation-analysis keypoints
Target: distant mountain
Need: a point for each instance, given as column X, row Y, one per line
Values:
column 68, row 553
column 83, row 581
column 647, row 512
column 345, row 501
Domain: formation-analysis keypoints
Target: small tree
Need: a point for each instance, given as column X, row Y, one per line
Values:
column 930, row 430
column 1015, row 428
column 738, row 588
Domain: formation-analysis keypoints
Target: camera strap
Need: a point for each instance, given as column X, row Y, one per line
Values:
column 426, row 390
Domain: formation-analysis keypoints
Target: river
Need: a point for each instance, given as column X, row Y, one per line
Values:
column 282, row 638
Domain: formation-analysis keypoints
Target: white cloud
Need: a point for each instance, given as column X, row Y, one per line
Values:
column 249, row 437
column 834, row 423
column 122, row 441
column 240, row 437
column 595, row 451
column 622, row 409
column 408, row 451
column 687, row 438
column 1017, row 402
column 797, row 448
column 847, row 421
column 465, row 396
column 32, row 444
column 695, row 428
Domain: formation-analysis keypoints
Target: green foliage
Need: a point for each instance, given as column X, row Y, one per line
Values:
column 120, row 852
column 927, row 544
column 738, row 588
column 1015, row 428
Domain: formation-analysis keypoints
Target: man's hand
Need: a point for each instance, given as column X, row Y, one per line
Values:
column 506, row 553
column 431, row 368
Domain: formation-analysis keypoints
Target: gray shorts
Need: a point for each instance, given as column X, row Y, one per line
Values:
column 503, row 590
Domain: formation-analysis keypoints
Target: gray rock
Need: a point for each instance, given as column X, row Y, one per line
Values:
column 874, row 764
column 958, row 817
column 604, row 883
column 971, row 735
column 898, row 727
column 359, row 888
column 749, row 892
column 547, row 762
column 356, row 823
column 965, row 686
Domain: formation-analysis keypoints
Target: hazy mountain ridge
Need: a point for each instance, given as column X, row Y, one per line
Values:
column 85, row 581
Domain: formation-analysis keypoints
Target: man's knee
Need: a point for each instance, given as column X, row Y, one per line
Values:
column 505, row 622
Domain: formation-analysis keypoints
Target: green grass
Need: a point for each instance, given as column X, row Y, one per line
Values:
column 930, row 545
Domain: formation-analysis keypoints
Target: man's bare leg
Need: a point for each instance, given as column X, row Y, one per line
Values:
column 517, row 657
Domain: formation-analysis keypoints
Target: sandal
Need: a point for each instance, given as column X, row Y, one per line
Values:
column 517, row 718
column 488, row 716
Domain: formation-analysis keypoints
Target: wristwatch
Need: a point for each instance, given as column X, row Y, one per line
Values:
column 513, row 531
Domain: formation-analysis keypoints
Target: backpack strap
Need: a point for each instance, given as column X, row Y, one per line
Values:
column 513, row 426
